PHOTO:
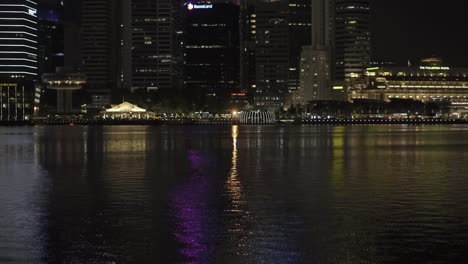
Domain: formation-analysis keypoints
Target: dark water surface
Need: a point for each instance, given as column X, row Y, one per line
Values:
column 299, row 194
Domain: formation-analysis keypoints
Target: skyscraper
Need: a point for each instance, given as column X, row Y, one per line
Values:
column 51, row 37
column 271, row 35
column 212, row 51
column 98, row 43
column 316, row 59
column 352, row 38
column 123, row 45
column 322, row 24
column 299, row 23
column 72, row 33
column 18, row 39
column 99, row 46
column 248, row 27
column 18, row 59
column 156, row 44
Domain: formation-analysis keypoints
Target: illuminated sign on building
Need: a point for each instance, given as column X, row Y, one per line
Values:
column 434, row 68
column 191, row 6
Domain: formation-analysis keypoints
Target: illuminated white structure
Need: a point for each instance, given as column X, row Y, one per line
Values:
column 18, row 39
column 257, row 118
column 126, row 111
column 125, row 107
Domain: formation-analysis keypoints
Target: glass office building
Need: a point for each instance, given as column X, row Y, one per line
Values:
column 18, row 39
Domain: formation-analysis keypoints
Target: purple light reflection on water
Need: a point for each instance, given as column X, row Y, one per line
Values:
column 187, row 201
column 233, row 232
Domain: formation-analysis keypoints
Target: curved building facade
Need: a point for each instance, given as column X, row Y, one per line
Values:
column 18, row 39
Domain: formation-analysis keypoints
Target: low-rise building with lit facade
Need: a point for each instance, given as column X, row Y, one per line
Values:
column 430, row 81
column 19, row 100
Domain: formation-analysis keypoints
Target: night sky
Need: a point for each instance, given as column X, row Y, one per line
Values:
column 411, row 29
column 405, row 30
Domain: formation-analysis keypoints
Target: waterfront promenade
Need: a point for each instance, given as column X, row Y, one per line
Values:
column 189, row 121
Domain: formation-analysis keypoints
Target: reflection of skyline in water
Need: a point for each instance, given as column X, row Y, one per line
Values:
column 189, row 214
column 23, row 191
column 238, row 226
column 241, row 194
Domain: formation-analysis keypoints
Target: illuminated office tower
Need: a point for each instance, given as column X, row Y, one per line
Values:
column 51, row 46
column 352, row 38
column 271, row 37
column 211, row 50
column 316, row 59
column 97, row 42
column 248, row 24
column 18, row 59
column 299, row 35
column 156, row 44
column 18, row 39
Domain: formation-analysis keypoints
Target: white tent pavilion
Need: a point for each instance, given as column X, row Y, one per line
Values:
column 126, row 110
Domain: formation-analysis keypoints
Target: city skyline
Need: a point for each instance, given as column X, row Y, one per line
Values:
column 262, row 55
column 414, row 33
column 233, row 131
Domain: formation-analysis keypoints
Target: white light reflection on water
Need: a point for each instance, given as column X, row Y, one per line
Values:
column 22, row 197
column 238, row 225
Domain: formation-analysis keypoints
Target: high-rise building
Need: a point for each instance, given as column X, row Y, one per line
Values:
column 124, row 62
column 156, row 44
column 123, row 45
column 51, row 47
column 352, row 38
column 299, row 35
column 99, row 44
column 271, row 35
column 248, row 29
column 18, row 39
column 72, row 33
column 211, row 50
column 322, row 23
column 18, row 59
column 315, row 75
column 316, row 59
